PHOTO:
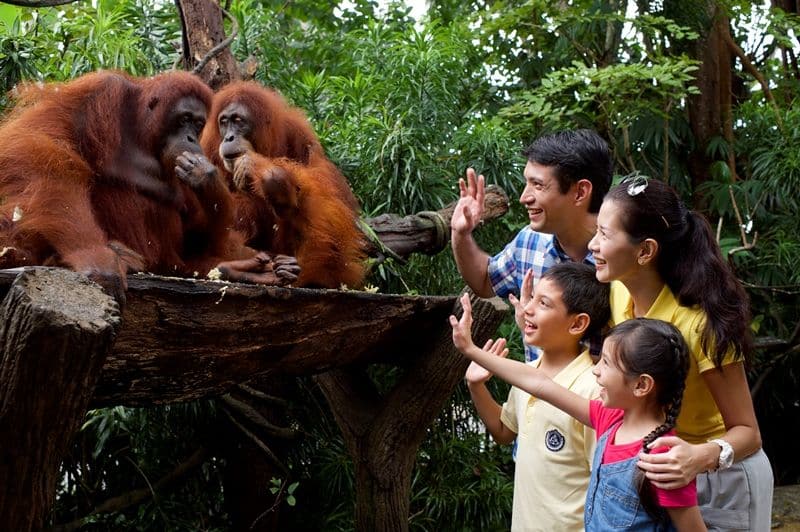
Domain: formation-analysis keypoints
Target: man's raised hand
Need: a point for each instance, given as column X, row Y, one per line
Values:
column 469, row 209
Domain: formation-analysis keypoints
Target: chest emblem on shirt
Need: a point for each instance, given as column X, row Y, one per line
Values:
column 554, row 440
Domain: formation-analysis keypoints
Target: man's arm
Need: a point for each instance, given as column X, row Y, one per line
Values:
column 471, row 260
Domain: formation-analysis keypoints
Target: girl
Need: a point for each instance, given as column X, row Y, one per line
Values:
column 641, row 374
column 665, row 263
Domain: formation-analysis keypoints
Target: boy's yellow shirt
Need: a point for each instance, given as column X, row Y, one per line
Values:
column 553, row 456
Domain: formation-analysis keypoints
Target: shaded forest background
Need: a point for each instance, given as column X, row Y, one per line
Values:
column 700, row 93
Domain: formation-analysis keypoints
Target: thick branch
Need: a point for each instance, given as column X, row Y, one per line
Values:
column 37, row 3
column 206, row 49
column 753, row 71
column 185, row 339
column 427, row 232
column 247, row 412
column 383, row 432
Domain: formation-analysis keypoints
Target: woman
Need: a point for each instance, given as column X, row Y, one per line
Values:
column 665, row 263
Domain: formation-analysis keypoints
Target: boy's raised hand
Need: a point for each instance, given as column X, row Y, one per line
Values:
column 525, row 295
column 462, row 329
column 477, row 374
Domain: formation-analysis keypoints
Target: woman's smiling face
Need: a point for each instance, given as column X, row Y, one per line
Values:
column 616, row 257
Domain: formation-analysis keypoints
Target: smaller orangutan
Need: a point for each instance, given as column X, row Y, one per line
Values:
column 105, row 175
column 290, row 198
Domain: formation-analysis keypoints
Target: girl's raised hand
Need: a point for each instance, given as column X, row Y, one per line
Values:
column 462, row 329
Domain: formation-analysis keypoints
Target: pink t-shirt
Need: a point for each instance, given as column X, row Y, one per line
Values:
column 602, row 419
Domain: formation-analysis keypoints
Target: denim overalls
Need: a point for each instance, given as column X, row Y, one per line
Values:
column 611, row 500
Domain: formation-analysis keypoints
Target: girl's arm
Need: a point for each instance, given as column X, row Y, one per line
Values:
column 678, row 466
column 687, row 519
column 517, row 373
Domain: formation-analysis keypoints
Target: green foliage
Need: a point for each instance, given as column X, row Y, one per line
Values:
column 461, row 483
column 277, row 488
column 120, row 450
column 16, row 54
column 614, row 96
column 64, row 42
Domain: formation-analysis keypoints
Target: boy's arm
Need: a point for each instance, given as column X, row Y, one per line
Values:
column 516, row 373
column 488, row 409
column 687, row 519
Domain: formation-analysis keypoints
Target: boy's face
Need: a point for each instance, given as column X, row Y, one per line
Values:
column 548, row 209
column 547, row 322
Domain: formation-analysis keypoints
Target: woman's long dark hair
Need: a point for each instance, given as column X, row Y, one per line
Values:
column 658, row 349
column 691, row 264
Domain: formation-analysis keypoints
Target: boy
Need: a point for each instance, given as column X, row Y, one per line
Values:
column 554, row 451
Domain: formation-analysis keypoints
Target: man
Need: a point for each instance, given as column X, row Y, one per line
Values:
column 566, row 177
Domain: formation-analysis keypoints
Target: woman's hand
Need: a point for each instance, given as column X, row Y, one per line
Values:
column 678, row 466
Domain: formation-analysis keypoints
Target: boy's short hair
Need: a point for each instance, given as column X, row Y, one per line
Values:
column 582, row 293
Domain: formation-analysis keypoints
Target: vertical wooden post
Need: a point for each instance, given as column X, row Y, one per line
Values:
column 56, row 329
column 383, row 432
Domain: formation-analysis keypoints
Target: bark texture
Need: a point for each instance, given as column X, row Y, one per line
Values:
column 384, row 431
column 56, row 329
column 203, row 30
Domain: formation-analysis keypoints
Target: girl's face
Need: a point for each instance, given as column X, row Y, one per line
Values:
column 616, row 258
column 616, row 388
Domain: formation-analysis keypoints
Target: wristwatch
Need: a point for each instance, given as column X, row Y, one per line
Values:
column 725, row 454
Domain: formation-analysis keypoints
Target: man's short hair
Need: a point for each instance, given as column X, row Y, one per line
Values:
column 575, row 155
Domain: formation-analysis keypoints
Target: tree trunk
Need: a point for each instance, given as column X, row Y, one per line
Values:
column 710, row 110
column 203, row 31
column 55, row 333
column 383, row 432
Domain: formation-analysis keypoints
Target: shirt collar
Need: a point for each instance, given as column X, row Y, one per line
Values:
column 554, row 248
column 663, row 308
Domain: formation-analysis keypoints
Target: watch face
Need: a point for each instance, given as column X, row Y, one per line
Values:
column 725, row 454
column 726, row 457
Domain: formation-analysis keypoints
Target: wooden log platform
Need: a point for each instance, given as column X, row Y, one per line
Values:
column 182, row 339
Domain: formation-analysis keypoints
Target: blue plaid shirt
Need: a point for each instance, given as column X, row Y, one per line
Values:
column 529, row 249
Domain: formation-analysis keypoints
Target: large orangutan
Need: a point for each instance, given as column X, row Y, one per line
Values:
column 105, row 175
column 290, row 199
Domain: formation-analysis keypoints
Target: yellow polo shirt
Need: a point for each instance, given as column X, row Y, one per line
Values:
column 699, row 420
column 554, row 454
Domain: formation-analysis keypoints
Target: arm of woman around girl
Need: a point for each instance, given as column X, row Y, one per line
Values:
column 684, row 461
